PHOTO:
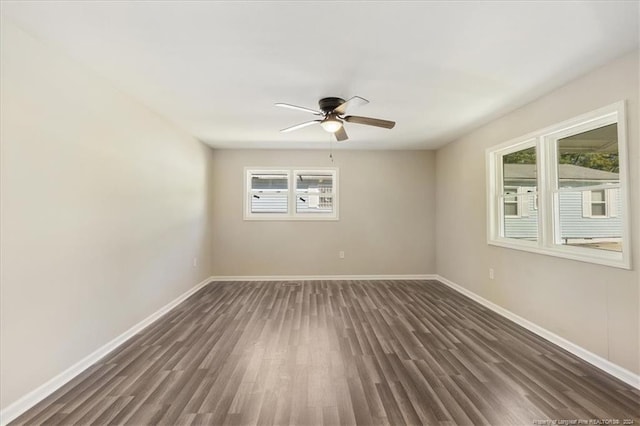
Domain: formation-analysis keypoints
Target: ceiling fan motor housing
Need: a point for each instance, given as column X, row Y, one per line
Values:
column 329, row 104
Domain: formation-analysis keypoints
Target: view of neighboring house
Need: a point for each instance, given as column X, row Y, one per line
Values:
column 589, row 216
column 269, row 192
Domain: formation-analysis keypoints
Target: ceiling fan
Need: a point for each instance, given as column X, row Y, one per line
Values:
column 332, row 119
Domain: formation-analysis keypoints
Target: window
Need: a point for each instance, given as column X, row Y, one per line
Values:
column 597, row 205
column 510, row 201
column 518, row 183
column 600, row 203
column 291, row 194
column 314, row 192
column 562, row 190
column 269, row 192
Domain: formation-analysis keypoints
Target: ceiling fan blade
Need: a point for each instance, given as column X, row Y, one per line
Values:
column 341, row 134
column 356, row 100
column 299, row 108
column 370, row 121
column 300, row 126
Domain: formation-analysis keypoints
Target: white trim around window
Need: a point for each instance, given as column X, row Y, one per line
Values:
column 579, row 234
column 290, row 193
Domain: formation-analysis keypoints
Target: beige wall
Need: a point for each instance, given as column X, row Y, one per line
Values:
column 104, row 207
column 593, row 306
column 386, row 221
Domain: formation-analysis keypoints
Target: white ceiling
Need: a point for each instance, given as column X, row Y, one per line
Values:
column 439, row 69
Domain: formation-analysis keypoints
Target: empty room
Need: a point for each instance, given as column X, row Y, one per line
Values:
column 319, row 212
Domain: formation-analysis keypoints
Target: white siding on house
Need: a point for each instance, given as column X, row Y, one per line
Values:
column 572, row 221
column 313, row 204
column 269, row 203
column 278, row 204
column 574, row 225
column 525, row 227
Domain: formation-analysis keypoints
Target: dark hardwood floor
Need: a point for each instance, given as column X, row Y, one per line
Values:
column 337, row 352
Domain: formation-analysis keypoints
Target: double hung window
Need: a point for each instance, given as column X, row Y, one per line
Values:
column 562, row 190
column 269, row 192
column 291, row 194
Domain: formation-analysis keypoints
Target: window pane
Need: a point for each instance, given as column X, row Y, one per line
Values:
column 590, row 218
column 519, row 183
column 269, row 192
column 597, row 196
column 589, row 158
column 510, row 201
column 316, row 182
column 592, row 224
column 598, row 210
column 269, row 182
column 313, row 203
column 314, row 192
column 510, row 209
column 269, row 203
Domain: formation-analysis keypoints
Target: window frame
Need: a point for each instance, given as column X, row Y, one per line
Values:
column 496, row 190
column 331, row 194
column 292, row 193
column 249, row 192
column 546, row 143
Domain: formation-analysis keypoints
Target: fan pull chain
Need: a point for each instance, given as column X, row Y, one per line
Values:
column 331, row 148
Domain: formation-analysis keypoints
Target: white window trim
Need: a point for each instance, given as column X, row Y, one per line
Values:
column 292, row 194
column 545, row 140
column 495, row 191
column 316, row 195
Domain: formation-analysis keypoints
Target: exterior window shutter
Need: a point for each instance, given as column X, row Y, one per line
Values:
column 612, row 202
column 314, row 199
column 586, row 203
column 523, row 202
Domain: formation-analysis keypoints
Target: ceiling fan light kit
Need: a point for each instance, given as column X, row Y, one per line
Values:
column 331, row 124
column 332, row 111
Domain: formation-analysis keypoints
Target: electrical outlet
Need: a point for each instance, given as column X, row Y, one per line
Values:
column 195, row 262
column 491, row 275
column 341, row 254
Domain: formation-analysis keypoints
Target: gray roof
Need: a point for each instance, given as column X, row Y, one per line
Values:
column 566, row 171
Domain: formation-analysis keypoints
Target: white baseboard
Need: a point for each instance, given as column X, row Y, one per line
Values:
column 32, row 398
column 324, row 277
column 604, row 364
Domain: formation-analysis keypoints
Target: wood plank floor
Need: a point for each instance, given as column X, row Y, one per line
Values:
column 337, row 353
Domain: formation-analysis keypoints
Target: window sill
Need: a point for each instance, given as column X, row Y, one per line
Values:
column 599, row 257
column 287, row 218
